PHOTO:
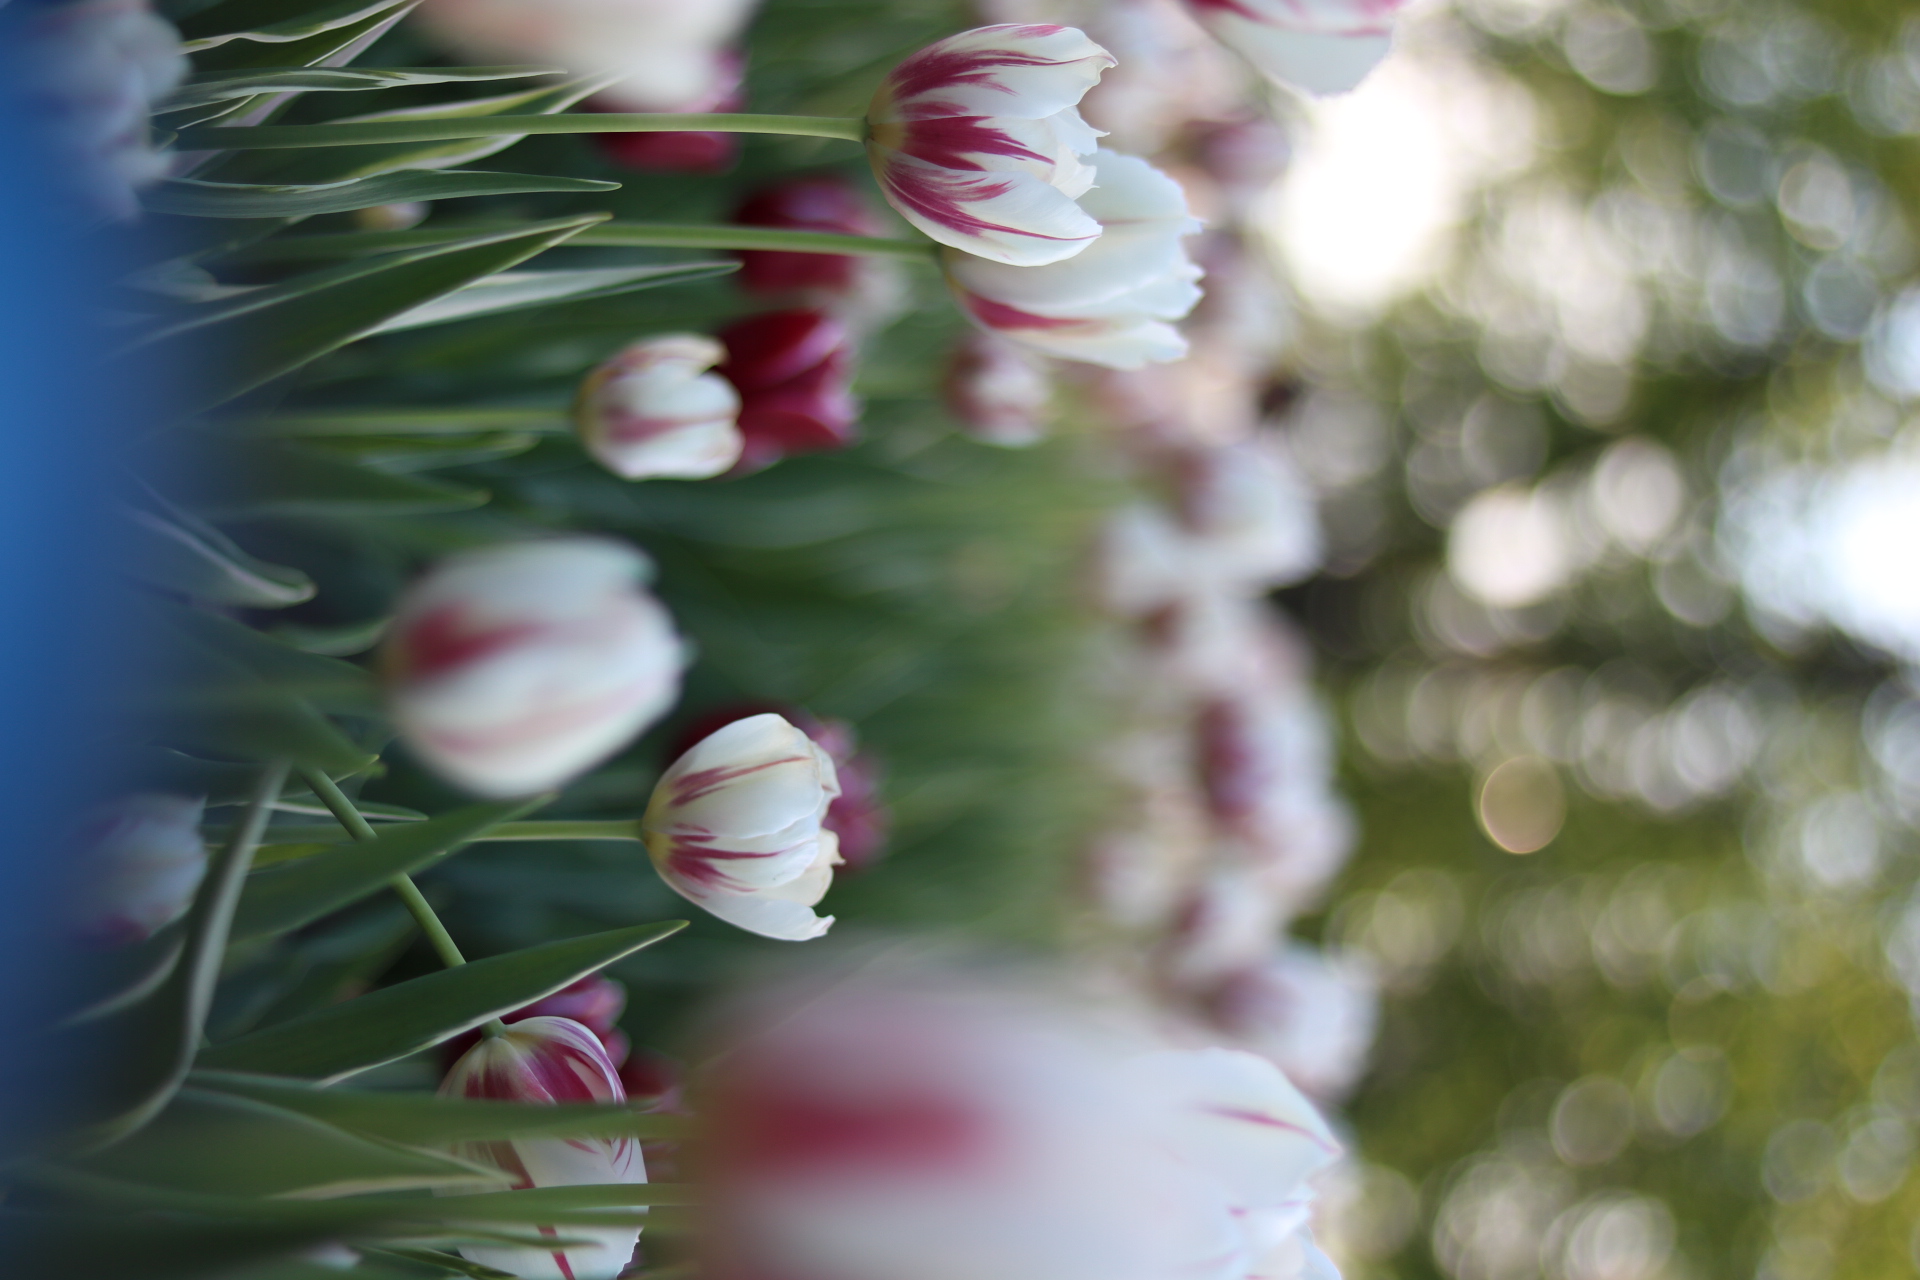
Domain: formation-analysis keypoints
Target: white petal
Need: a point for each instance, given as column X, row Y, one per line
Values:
column 1131, row 344
column 1011, row 217
column 690, row 451
column 1237, row 1117
column 769, row 917
column 753, row 777
column 1064, row 64
column 1320, row 63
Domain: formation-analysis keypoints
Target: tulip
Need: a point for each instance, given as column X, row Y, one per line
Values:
column 513, row 668
column 737, row 826
column 902, row 1129
column 827, row 204
column 1111, row 304
column 652, row 409
column 997, row 391
column 1321, row 46
column 977, row 141
column 88, row 74
column 793, row 371
column 1309, row 1014
column 139, row 861
column 1242, row 1125
column 669, row 54
column 550, row 1060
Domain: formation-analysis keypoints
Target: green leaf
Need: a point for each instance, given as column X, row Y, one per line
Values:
column 118, row 1246
column 455, row 420
column 427, row 453
column 189, row 197
column 114, row 979
column 420, row 1119
column 273, row 330
column 324, row 682
column 219, row 86
column 326, row 43
column 277, row 478
column 391, row 1023
column 339, row 642
column 292, row 894
column 224, row 1144
column 520, row 290
column 175, row 551
column 141, row 1055
column 335, row 164
column 214, row 706
column 259, row 21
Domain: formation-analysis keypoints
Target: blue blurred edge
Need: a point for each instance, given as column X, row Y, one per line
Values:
column 66, row 665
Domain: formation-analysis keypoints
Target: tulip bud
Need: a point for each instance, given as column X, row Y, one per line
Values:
column 977, row 141
column 1321, row 46
column 652, row 409
column 793, row 370
column 550, row 1060
column 736, row 825
column 86, row 76
column 998, row 392
column 1111, row 303
column 514, row 668
column 139, row 861
column 828, row 204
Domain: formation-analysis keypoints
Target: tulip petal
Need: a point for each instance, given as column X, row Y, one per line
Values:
column 1015, row 70
column 1322, row 49
column 1009, row 217
column 1238, row 1118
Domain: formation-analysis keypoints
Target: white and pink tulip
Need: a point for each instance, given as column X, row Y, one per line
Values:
column 550, row 1060
column 1321, row 46
column 737, row 825
column 654, row 409
column 1112, row 304
column 977, row 140
column 515, row 668
column 137, row 864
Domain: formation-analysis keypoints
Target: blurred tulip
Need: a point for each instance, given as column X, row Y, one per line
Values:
column 669, row 54
column 828, row 204
column 1311, row 1015
column 88, row 74
column 977, row 141
column 138, row 862
column 1239, row 1122
column 1250, row 511
column 516, row 667
column 898, row 1129
column 736, row 825
column 550, row 1060
column 1321, row 46
column 652, row 409
column 595, row 1002
column 1111, row 304
column 793, row 370
column 998, row 392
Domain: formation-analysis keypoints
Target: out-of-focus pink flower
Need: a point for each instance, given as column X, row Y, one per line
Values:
column 595, row 1002
column 1321, row 46
column 653, row 409
column 822, row 203
column 737, row 826
column 138, row 862
column 793, row 370
column 901, row 1129
column 1111, row 304
column 88, row 74
column 1245, row 157
column 998, row 392
column 1311, row 1015
column 689, row 151
column 668, row 54
column 514, row 668
column 1169, row 72
column 550, row 1060
column 977, row 141
column 1251, row 512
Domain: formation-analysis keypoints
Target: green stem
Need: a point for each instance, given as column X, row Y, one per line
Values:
column 441, row 129
column 626, row 235
column 416, row 902
column 558, row 829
